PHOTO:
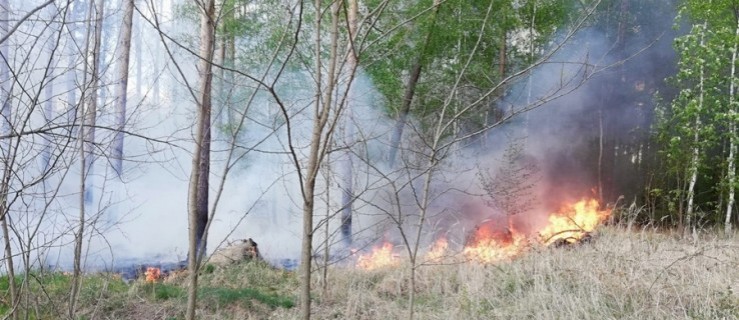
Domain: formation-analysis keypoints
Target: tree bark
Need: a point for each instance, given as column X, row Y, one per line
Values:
column 5, row 126
column 71, row 80
column 91, row 104
column 5, row 70
column 410, row 90
column 221, row 116
column 5, row 153
column 695, row 158
column 139, row 62
column 198, row 193
column 122, row 86
column 323, row 106
column 87, row 136
column 49, row 94
column 347, row 192
column 731, row 170
column 157, row 61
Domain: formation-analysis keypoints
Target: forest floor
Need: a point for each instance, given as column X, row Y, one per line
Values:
column 620, row 275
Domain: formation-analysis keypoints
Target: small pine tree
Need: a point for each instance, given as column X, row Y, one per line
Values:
column 510, row 186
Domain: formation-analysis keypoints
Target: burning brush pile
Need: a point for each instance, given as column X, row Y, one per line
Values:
column 499, row 240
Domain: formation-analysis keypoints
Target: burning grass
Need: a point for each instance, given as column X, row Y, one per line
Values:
column 645, row 275
column 494, row 241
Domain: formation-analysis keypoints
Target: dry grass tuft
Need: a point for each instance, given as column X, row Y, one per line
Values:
column 645, row 275
column 620, row 275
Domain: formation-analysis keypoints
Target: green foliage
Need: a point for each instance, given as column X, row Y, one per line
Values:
column 50, row 289
column 246, row 282
column 242, row 285
column 209, row 268
column 458, row 40
column 697, row 117
column 223, row 296
column 510, row 187
column 163, row 291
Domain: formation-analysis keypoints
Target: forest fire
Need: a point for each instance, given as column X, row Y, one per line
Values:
column 573, row 222
column 488, row 246
column 380, row 257
column 492, row 242
column 438, row 251
column 152, row 274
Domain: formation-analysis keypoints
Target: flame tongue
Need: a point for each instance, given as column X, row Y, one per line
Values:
column 495, row 240
column 573, row 222
column 152, row 274
column 491, row 250
column 380, row 257
column 438, row 251
column 491, row 243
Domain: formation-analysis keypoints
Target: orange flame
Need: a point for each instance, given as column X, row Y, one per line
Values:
column 152, row 274
column 491, row 243
column 437, row 251
column 494, row 241
column 380, row 257
column 573, row 221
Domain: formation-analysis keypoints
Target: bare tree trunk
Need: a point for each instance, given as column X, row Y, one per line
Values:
column 87, row 137
column 9, row 256
column 49, row 94
column 422, row 219
column 410, row 91
column 71, row 82
column 695, row 158
column 5, row 122
column 322, row 111
column 600, row 155
column 122, row 85
column 5, row 128
column 198, row 193
column 732, row 136
column 5, row 153
column 139, row 61
column 4, row 216
column 405, row 109
column 4, row 68
column 221, row 116
column 347, row 194
column 347, row 191
column 157, row 62
column 327, row 230
column 92, row 104
column 6, row 156
column 230, row 60
column 226, row 55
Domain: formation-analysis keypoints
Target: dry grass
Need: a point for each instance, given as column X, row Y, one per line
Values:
column 620, row 275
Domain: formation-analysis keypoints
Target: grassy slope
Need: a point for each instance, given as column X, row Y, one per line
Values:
column 620, row 275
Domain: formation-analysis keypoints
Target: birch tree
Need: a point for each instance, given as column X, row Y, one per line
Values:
column 731, row 160
column 697, row 124
column 692, row 124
